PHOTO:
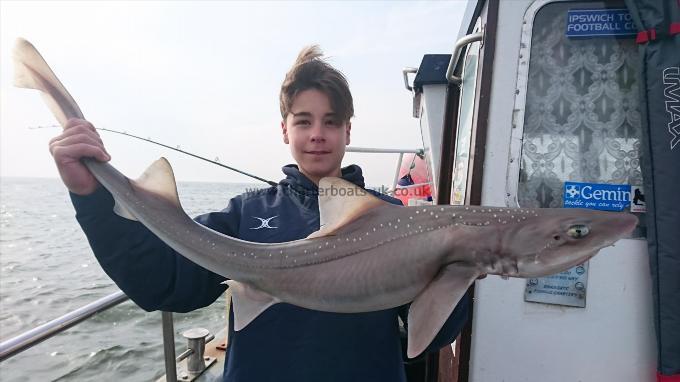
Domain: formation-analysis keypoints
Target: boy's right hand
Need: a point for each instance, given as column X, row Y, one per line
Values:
column 78, row 140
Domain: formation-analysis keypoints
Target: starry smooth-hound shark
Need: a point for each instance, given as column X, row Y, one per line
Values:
column 368, row 255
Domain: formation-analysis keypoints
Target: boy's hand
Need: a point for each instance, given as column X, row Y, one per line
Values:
column 78, row 140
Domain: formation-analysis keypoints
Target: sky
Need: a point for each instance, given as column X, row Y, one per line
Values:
column 205, row 76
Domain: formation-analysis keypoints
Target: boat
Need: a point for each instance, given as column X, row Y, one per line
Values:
column 534, row 107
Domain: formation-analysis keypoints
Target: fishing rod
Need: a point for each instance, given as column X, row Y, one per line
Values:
column 178, row 149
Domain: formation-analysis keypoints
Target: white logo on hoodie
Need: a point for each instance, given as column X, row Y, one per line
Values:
column 264, row 223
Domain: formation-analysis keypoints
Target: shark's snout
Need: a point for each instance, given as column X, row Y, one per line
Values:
column 628, row 223
column 620, row 226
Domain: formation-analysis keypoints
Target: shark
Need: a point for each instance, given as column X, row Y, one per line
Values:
column 368, row 255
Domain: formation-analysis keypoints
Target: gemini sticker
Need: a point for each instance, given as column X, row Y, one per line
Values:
column 597, row 196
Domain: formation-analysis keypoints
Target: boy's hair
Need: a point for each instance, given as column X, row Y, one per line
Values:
column 310, row 71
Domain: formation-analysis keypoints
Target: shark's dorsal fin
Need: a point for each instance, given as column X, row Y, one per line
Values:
column 158, row 179
column 341, row 202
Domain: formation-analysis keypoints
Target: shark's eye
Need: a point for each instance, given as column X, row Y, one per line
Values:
column 578, row 231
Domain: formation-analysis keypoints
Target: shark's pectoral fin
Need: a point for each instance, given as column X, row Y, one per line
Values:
column 433, row 306
column 341, row 202
column 248, row 302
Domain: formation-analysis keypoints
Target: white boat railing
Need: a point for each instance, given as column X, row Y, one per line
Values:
column 32, row 337
column 49, row 329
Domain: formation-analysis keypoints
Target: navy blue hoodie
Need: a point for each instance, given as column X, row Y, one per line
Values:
column 286, row 342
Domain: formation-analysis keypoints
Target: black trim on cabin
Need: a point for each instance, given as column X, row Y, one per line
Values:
column 477, row 148
column 480, row 125
column 480, row 120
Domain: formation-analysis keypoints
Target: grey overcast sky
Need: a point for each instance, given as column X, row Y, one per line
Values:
column 206, row 76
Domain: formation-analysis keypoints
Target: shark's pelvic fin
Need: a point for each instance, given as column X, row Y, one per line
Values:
column 249, row 302
column 32, row 72
column 341, row 202
column 122, row 211
column 433, row 306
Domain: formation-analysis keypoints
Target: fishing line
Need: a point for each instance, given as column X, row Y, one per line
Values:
column 178, row 149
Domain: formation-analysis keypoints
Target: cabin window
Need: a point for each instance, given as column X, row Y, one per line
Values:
column 464, row 131
column 582, row 119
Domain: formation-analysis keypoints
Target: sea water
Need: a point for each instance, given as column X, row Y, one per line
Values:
column 47, row 269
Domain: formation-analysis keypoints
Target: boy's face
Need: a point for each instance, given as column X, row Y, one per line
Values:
column 317, row 138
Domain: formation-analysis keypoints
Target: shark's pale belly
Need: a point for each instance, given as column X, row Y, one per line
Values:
column 385, row 277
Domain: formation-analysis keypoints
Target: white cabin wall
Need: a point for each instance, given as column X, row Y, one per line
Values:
column 612, row 338
column 501, row 102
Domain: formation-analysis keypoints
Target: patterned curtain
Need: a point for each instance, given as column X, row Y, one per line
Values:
column 582, row 121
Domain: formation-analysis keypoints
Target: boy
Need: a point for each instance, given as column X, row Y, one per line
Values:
column 286, row 342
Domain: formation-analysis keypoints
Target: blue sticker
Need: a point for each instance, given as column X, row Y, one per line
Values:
column 600, row 22
column 596, row 196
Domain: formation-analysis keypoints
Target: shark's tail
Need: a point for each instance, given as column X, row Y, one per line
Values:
column 32, row 72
